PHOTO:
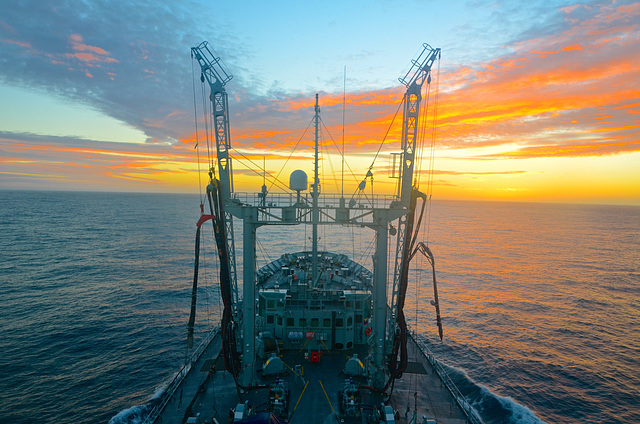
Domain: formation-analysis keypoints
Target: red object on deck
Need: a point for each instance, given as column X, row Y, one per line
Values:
column 315, row 356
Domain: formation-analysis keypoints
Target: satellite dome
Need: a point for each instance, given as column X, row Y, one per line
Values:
column 298, row 180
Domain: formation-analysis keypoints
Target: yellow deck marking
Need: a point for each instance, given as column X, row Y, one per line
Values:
column 325, row 393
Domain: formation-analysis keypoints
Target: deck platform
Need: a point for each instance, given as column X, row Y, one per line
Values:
column 211, row 391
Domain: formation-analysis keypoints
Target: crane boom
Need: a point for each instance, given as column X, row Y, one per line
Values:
column 217, row 77
column 420, row 66
column 418, row 73
column 408, row 195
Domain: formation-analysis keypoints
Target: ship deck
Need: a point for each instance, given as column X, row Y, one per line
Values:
column 210, row 391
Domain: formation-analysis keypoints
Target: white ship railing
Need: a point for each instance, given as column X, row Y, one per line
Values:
column 325, row 200
column 472, row 414
column 179, row 377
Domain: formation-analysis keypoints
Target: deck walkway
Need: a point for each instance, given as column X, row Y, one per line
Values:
column 209, row 390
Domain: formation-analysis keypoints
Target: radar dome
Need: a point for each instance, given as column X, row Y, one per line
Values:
column 298, row 180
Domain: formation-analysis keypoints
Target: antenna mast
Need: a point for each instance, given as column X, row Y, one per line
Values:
column 315, row 194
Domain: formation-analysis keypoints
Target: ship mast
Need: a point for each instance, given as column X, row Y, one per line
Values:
column 314, row 195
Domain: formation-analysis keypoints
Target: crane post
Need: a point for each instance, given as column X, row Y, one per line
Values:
column 418, row 73
column 217, row 77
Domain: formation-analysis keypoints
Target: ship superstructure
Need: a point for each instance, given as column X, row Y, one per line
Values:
column 313, row 333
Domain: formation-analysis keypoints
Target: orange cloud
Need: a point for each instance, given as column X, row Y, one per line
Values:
column 528, row 104
column 90, row 57
column 24, row 44
column 77, row 44
column 86, row 54
column 573, row 150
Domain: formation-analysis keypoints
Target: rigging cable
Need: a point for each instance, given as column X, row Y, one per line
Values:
column 323, row 153
column 203, row 251
column 422, row 136
column 326, row 153
column 341, row 153
column 353, row 242
column 416, row 320
column 434, row 129
column 420, row 269
column 260, row 170
column 265, row 252
column 216, row 271
column 195, row 117
column 366, row 251
column 386, row 134
column 344, row 105
column 208, row 123
column 291, row 154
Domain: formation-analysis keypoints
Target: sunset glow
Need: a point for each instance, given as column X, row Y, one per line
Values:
column 552, row 115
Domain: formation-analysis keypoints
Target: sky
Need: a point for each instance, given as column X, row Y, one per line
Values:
column 536, row 101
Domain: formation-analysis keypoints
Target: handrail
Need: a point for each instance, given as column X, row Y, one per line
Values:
column 471, row 413
column 327, row 200
column 179, row 377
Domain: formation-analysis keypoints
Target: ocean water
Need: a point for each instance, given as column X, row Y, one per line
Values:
column 540, row 303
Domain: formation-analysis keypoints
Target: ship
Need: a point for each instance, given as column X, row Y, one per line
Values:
column 313, row 336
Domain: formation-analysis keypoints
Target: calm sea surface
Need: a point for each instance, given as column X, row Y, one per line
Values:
column 540, row 303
